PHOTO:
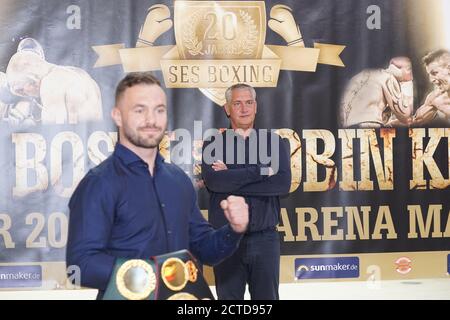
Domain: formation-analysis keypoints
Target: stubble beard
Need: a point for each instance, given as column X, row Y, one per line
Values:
column 144, row 142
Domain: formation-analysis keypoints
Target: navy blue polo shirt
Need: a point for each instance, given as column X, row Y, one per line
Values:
column 120, row 210
column 244, row 178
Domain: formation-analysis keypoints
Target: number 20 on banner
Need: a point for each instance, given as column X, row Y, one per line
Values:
column 54, row 237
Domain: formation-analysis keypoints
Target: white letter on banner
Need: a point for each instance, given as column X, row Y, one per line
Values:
column 374, row 21
column 24, row 164
column 74, row 20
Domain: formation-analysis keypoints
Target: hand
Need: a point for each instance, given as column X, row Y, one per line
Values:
column 199, row 183
column 440, row 100
column 282, row 22
column 20, row 112
column 157, row 22
column 219, row 165
column 236, row 212
column 424, row 114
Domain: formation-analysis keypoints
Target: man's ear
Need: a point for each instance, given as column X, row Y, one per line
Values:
column 117, row 116
column 226, row 109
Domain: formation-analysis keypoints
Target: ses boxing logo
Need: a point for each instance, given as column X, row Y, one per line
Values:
column 218, row 44
column 326, row 268
column 20, row 276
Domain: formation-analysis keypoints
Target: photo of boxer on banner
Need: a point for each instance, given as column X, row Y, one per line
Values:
column 436, row 107
column 16, row 109
column 380, row 97
column 385, row 97
column 51, row 94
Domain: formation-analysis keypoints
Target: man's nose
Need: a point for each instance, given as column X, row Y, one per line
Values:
column 149, row 118
column 244, row 108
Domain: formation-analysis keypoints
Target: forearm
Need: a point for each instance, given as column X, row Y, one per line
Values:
column 445, row 109
column 86, row 250
column 398, row 123
column 424, row 114
column 230, row 180
column 95, row 267
column 216, row 245
column 403, row 110
column 90, row 223
column 274, row 186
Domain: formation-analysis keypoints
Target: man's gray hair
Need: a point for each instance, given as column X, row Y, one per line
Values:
column 239, row 86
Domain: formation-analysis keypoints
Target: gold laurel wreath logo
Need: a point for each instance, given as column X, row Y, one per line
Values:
column 190, row 40
column 247, row 46
column 250, row 42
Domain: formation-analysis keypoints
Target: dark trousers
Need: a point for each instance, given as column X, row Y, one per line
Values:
column 257, row 263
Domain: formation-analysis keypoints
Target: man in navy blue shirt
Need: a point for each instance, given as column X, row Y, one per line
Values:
column 135, row 205
column 257, row 260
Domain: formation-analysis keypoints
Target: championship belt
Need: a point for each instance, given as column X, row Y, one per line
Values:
column 172, row 276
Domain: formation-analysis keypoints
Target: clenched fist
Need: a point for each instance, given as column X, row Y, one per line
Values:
column 236, row 212
column 282, row 22
column 157, row 22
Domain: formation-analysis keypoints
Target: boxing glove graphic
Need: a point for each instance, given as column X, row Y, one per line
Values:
column 156, row 23
column 282, row 22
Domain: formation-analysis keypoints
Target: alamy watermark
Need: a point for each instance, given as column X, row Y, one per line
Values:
column 73, row 21
column 258, row 147
column 373, row 22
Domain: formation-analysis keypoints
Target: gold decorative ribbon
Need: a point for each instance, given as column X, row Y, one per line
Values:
column 275, row 58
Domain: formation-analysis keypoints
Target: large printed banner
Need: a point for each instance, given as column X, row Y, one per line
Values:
column 361, row 89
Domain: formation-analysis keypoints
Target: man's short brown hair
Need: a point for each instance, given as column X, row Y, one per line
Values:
column 134, row 78
column 435, row 55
